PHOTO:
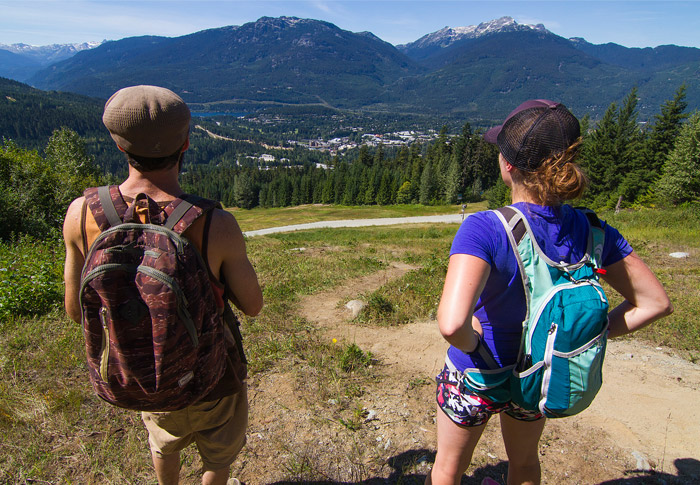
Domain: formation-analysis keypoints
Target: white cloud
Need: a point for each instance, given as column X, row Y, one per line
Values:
column 323, row 7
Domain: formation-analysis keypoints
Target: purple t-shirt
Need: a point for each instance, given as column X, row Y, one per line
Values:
column 560, row 231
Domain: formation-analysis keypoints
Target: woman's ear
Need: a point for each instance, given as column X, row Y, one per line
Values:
column 509, row 167
column 506, row 164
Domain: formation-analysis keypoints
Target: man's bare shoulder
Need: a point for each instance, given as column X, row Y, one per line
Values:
column 71, row 224
column 225, row 229
column 225, row 219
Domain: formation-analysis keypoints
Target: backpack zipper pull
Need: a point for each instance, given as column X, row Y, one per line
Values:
column 104, row 354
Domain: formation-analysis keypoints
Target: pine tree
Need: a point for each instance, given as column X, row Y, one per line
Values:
column 612, row 156
column 662, row 138
column 384, row 191
column 461, row 154
column 404, row 194
column 680, row 181
column 244, row 194
column 625, row 178
column 452, row 181
column 372, row 186
column 599, row 152
column 427, row 185
column 305, row 190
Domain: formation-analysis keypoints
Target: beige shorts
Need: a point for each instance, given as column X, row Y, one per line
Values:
column 216, row 427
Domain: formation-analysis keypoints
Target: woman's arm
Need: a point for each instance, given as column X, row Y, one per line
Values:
column 465, row 280
column 645, row 298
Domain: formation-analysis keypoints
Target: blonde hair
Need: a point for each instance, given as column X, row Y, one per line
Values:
column 557, row 179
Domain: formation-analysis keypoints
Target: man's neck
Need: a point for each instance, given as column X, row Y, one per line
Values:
column 160, row 185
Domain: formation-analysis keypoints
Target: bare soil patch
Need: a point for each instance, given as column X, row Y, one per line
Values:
column 644, row 426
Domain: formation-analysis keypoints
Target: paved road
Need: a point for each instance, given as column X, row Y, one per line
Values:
column 449, row 219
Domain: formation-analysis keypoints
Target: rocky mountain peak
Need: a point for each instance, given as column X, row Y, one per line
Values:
column 449, row 35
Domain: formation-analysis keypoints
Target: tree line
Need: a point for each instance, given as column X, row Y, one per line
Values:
column 445, row 171
column 626, row 162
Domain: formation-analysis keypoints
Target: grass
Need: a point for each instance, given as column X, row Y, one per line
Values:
column 260, row 218
column 53, row 428
column 654, row 235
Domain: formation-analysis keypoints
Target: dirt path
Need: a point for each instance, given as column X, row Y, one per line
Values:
column 646, row 417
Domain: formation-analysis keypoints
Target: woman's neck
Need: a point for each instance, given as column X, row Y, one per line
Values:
column 518, row 193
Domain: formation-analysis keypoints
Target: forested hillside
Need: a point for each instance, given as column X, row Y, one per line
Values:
column 285, row 157
column 627, row 162
column 28, row 116
column 445, row 171
column 287, row 60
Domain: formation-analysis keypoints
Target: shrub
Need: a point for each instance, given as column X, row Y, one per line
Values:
column 31, row 277
column 354, row 358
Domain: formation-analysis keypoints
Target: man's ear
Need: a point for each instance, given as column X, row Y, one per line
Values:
column 187, row 144
column 120, row 148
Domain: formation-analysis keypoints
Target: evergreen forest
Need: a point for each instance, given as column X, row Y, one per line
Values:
column 628, row 162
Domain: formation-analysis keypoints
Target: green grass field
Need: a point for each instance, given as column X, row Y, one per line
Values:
column 259, row 218
column 54, row 430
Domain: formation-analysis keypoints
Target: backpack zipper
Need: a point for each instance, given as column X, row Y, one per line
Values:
column 143, row 228
column 183, row 313
column 547, row 374
column 104, row 351
column 552, row 291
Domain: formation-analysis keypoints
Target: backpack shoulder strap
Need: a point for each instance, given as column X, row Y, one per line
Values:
column 106, row 205
column 515, row 223
column 511, row 217
column 596, row 236
column 183, row 211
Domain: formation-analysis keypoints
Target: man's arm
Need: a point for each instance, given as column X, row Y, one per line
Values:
column 227, row 256
column 74, row 258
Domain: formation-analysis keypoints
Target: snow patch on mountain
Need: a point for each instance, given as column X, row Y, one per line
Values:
column 47, row 54
column 449, row 35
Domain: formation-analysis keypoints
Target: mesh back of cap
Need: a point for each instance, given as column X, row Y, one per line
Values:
column 536, row 134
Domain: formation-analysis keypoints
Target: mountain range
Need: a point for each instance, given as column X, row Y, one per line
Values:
column 21, row 61
column 480, row 72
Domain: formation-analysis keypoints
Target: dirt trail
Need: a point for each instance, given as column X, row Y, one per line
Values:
column 647, row 415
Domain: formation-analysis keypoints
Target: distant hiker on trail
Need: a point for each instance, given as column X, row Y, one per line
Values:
column 523, row 281
column 149, row 272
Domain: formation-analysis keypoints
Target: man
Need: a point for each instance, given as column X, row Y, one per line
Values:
column 151, row 126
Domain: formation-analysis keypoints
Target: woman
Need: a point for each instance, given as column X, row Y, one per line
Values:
column 483, row 302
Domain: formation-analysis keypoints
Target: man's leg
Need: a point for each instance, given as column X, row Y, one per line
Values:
column 521, row 439
column 455, row 446
column 167, row 468
column 224, row 422
column 216, row 477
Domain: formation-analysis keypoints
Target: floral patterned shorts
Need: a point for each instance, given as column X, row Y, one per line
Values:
column 468, row 409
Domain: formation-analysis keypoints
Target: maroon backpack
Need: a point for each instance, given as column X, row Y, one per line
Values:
column 154, row 337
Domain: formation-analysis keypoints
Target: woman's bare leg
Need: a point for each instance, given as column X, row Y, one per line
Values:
column 521, row 439
column 455, row 446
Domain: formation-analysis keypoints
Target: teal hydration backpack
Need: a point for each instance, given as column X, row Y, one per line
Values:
column 559, row 368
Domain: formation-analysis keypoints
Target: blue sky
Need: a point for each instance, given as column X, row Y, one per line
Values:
column 630, row 23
